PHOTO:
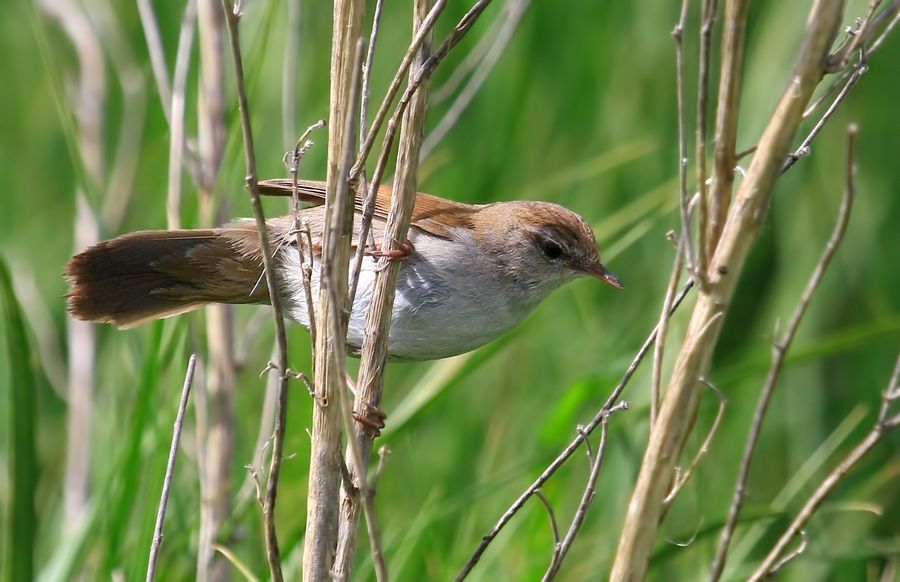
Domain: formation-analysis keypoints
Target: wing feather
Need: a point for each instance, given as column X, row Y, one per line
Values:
column 434, row 215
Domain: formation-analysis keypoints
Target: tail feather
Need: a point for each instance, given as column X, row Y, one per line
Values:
column 153, row 274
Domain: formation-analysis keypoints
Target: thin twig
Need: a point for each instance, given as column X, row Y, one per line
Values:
column 512, row 14
column 684, row 196
column 557, row 543
column 708, row 11
column 587, row 497
column 587, row 445
column 883, row 426
column 751, row 202
column 891, row 15
column 892, row 12
column 795, row 553
column 273, row 554
column 302, row 146
column 468, row 64
column 367, row 74
column 262, row 442
column 421, row 75
column 394, row 87
column 858, row 37
column 306, row 231
column 554, row 524
column 803, row 149
column 663, row 328
column 850, row 77
column 683, row 478
column 365, row 229
column 572, row 447
column 779, row 352
column 683, row 250
column 378, row 318
column 332, row 311
column 734, row 34
column 170, row 470
column 359, row 485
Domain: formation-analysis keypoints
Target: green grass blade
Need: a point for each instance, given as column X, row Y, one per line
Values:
column 21, row 527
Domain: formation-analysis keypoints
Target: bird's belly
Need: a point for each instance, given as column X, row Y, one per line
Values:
column 439, row 310
column 433, row 318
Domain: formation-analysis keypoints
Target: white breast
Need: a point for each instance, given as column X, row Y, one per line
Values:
column 442, row 306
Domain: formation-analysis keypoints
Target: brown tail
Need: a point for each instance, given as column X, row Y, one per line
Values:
column 153, row 274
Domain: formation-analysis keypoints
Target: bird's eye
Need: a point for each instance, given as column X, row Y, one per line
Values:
column 551, row 249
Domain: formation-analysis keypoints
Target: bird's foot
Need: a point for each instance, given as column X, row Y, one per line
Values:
column 372, row 419
column 405, row 249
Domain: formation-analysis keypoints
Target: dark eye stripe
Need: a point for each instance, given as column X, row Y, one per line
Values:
column 564, row 235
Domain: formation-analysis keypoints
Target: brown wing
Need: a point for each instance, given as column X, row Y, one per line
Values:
column 431, row 214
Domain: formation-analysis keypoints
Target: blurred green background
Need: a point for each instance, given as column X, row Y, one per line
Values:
column 579, row 110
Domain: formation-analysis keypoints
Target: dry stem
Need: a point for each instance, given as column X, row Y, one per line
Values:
column 747, row 213
column 170, row 470
column 804, row 148
column 663, row 328
column 393, row 88
column 779, row 352
column 512, row 15
column 858, row 36
column 684, row 195
column 302, row 234
column 883, row 425
column 375, row 344
column 273, row 554
column 730, row 77
column 682, row 478
column 365, row 229
column 422, row 74
column 331, row 314
column 708, row 17
column 361, row 486
column 572, row 447
column 590, row 491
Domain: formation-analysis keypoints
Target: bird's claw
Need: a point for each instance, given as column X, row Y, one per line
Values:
column 372, row 418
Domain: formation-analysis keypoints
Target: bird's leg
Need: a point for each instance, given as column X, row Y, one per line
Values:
column 406, row 247
column 372, row 418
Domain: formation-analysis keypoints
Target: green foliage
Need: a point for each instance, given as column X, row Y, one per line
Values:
column 20, row 523
column 580, row 110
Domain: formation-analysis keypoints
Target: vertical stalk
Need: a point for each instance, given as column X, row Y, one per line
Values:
column 325, row 457
column 679, row 406
column 734, row 32
column 375, row 346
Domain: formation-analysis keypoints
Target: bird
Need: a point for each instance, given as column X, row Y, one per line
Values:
column 469, row 272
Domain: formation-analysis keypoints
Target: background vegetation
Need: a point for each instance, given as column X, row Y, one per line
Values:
column 580, row 110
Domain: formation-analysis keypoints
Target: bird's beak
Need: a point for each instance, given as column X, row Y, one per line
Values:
column 601, row 272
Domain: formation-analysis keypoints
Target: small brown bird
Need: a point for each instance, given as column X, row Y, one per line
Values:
column 472, row 272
